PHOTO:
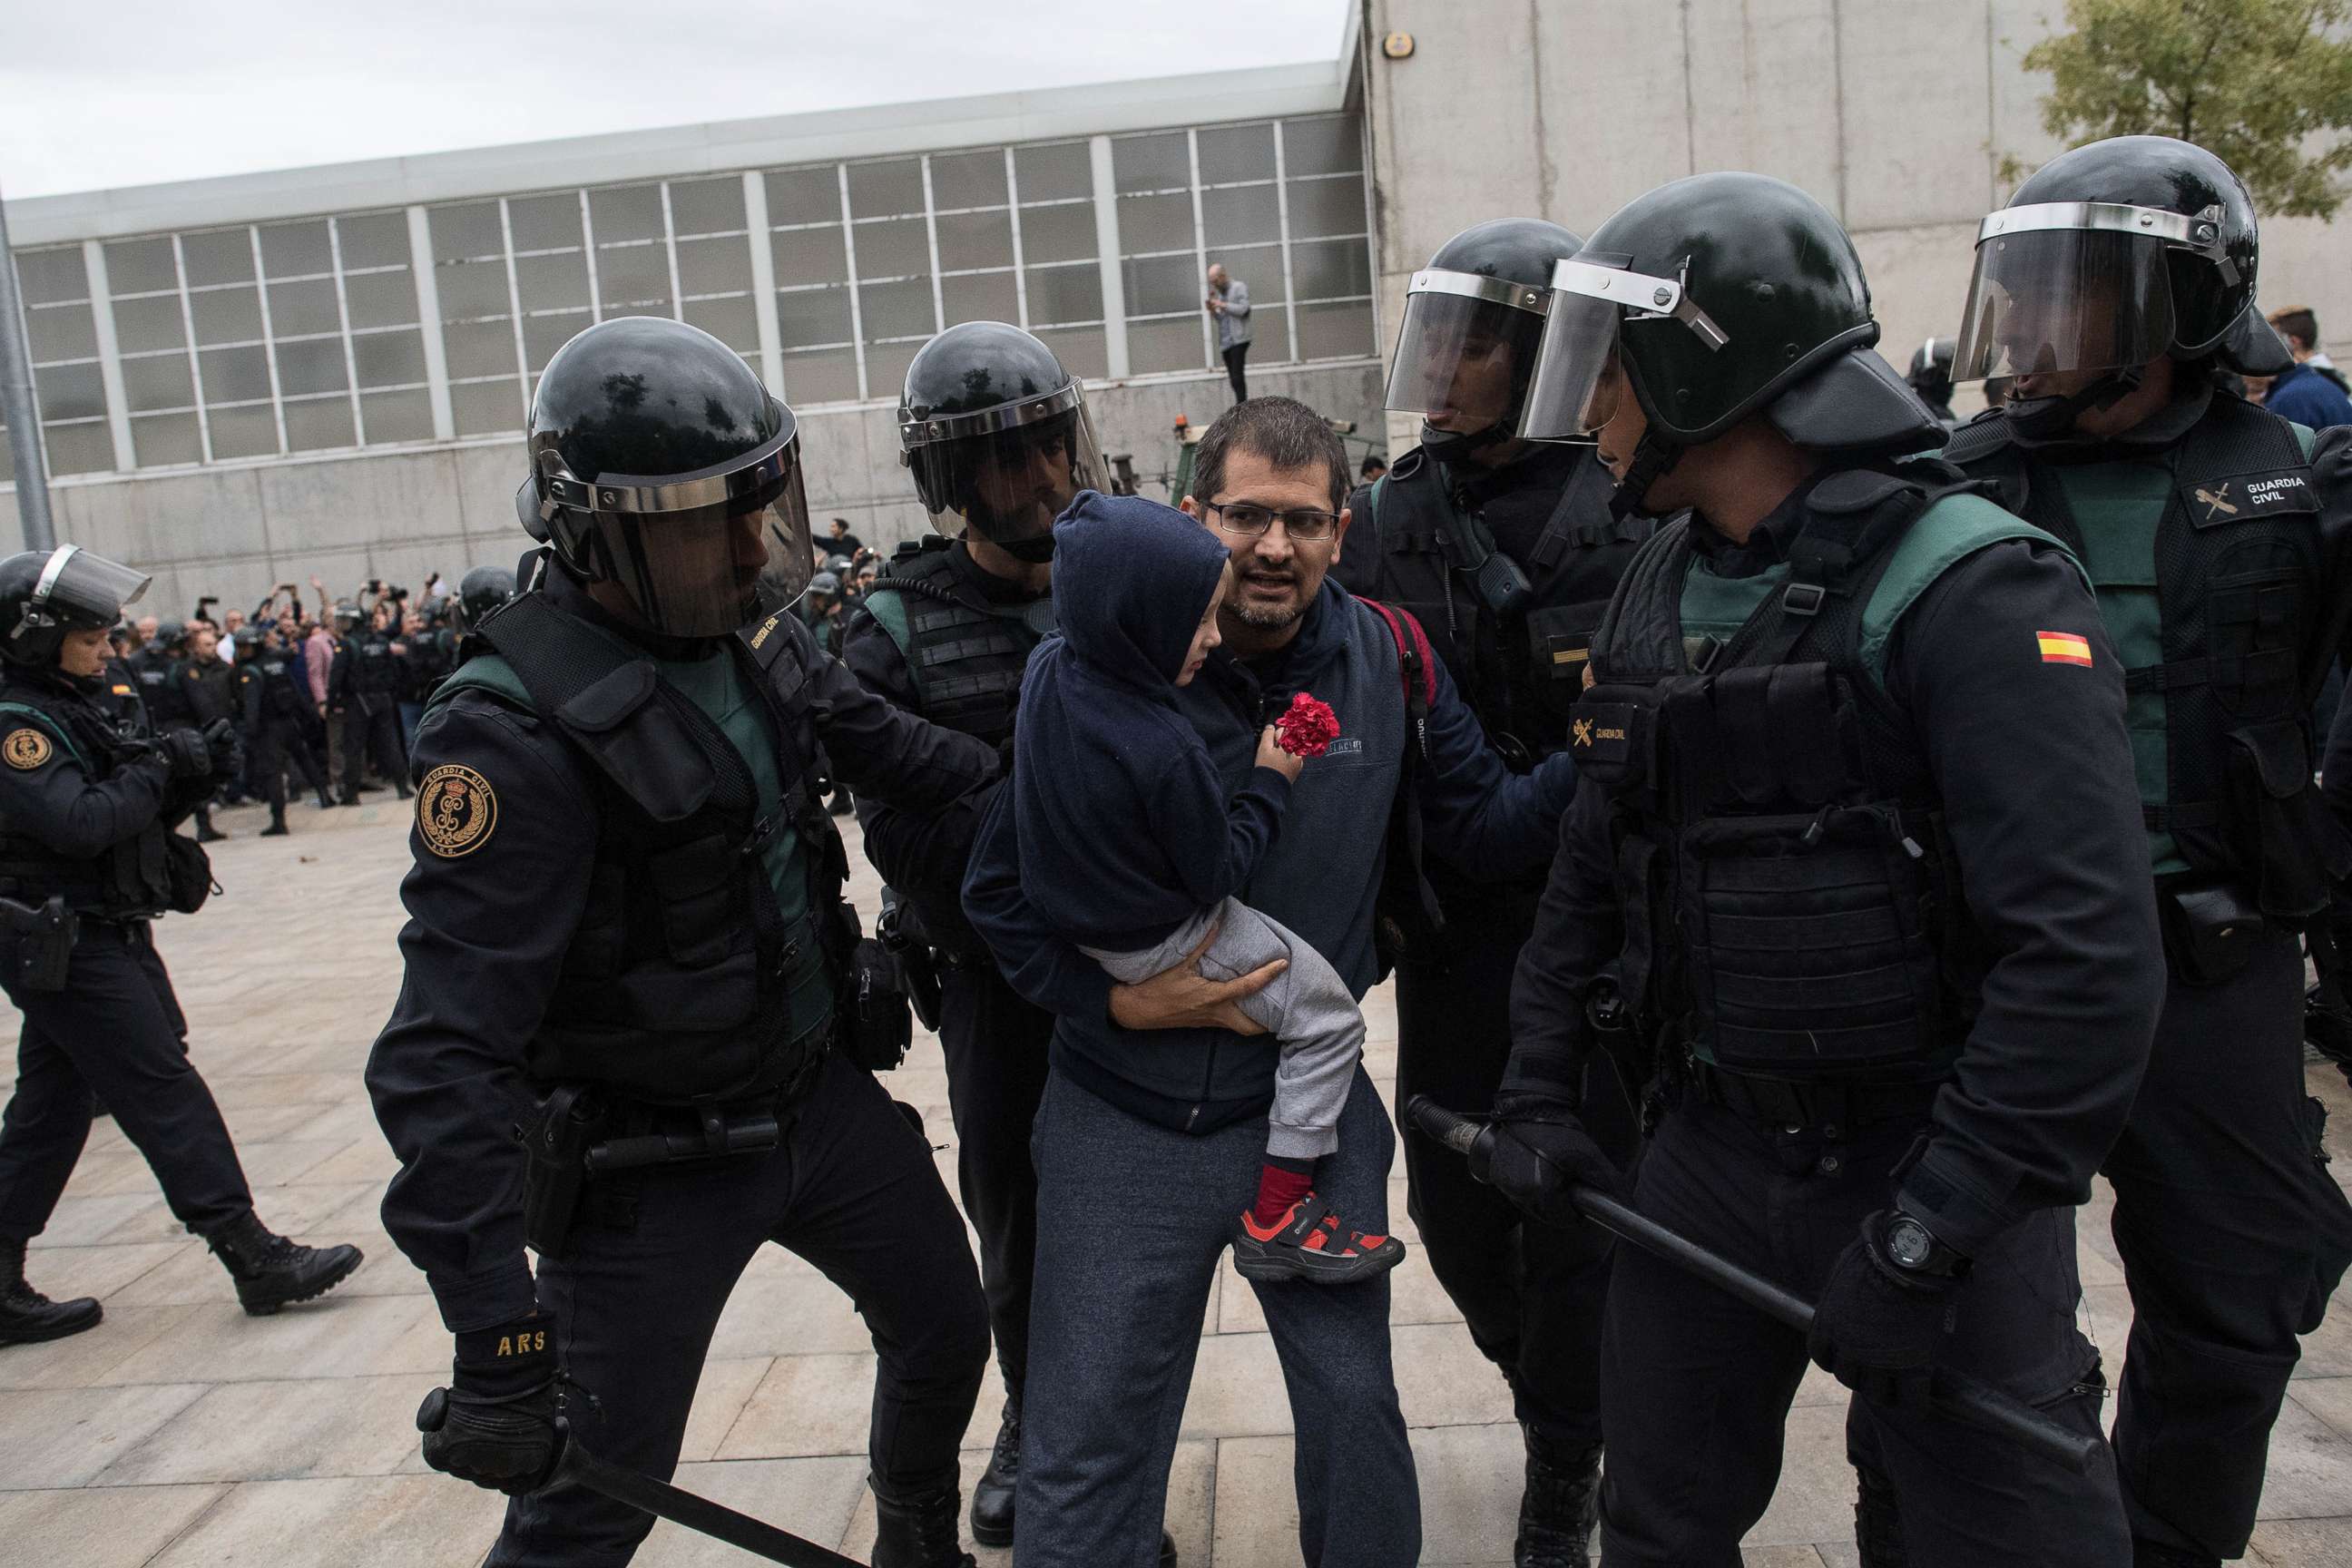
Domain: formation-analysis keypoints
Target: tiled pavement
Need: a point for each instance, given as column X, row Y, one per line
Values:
column 181, row 1433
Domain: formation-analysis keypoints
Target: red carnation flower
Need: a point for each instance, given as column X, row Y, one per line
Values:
column 1307, row 728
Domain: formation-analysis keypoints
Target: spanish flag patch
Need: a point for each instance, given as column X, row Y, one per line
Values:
column 2065, row 647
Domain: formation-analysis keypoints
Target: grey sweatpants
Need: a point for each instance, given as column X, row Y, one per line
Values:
column 1308, row 1009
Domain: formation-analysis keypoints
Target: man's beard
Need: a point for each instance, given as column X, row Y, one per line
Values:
column 1268, row 617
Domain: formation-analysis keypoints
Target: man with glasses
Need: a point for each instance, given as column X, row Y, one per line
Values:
column 1153, row 1118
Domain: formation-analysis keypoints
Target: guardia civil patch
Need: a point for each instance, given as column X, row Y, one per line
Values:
column 25, row 749
column 456, row 810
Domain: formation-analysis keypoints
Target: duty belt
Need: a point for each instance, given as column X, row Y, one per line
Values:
column 1831, row 1109
column 641, row 1133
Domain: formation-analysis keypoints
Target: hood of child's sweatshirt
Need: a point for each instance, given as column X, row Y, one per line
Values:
column 1131, row 579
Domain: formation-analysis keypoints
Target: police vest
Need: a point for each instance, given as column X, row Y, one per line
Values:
column 676, row 986
column 2221, row 678
column 280, row 697
column 129, row 877
column 167, row 707
column 1521, row 674
column 1792, row 905
column 965, row 655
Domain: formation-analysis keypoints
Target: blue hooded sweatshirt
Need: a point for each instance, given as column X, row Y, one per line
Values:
column 1125, row 828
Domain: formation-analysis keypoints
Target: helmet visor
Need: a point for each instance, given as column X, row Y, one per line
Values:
column 1465, row 354
column 708, row 572
column 2057, row 301
column 82, row 589
column 1576, row 385
column 1009, row 485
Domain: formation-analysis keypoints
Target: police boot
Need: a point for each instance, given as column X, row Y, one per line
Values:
column 1561, row 1502
column 271, row 1271
column 205, row 832
column 992, row 1495
column 326, row 801
column 27, row 1316
column 277, row 828
column 919, row 1531
column 2148, row 1553
column 1878, row 1522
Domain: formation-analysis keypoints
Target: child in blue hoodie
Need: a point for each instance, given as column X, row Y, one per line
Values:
column 1130, row 845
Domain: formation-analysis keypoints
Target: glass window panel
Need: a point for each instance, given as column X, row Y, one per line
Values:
column 162, row 439
column 297, row 308
column 1057, row 234
column 466, row 230
column 975, row 239
column 885, row 189
column 307, row 367
column 731, row 321
column 804, row 196
column 1163, row 284
column 373, row 239
column 487, row 407
column 625, row 211
column 1057, row 170
column 1258, row 266
column 478, row 348
column 321, row 423
column 886, row 368
column 290, row 249
column 543, row 336
column 807, row 316
column 1336, row 331
column 705, row 207
column 1164, row 345
column 1270, row 344
column 238, row 375
column 1250, row 214
column 633, row 278
column 721, row 266
column 1155, row 223
column 809, row 255
column 142, row 326
column 553, row 282
column 545, row 223
column 1325, row 207
column 389, row 359
column 160, row 381
column 71, row 392
column 132, row 266
column 473, row 289
column 1149, row 162
column 1322, row 269
column 1080, row 350
column 81, row 449
column 980, row 297
column 1236, row 153
column 381, row 299
column 222, row 256
column 897, row 309
column 7, row 459
column 898, row 249
column 968, row 179
column 821, row 375
column 226, row 315
column 397, row 417
column 60, row 331
column 1321, row 146
column 1059, row 294
column 249, row 432
column 47, row 276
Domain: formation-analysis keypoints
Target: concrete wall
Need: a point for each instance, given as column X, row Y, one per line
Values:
column 1896, row 113
column 236, row 530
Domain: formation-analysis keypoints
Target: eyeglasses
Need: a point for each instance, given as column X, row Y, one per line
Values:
column 1250, row 518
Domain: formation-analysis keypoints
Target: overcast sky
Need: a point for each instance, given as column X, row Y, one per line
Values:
column 97, row 93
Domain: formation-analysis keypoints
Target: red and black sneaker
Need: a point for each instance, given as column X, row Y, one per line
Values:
column 1302, row 1246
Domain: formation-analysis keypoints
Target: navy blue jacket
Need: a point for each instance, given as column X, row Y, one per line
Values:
column 2308, row 398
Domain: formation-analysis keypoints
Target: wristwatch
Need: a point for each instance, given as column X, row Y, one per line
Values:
column 1913, row 1250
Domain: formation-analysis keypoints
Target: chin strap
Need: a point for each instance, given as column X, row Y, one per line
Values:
column 1035, row 550
column 1448, row 448
column 1652, row 457
column 2048, row 418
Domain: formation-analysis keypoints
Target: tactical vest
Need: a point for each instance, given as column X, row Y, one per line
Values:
column 128, row 878
column 965, row 655
column 2249, row 626
column 1521, row 674
column 1792, row 904
column 167, row 707
column 675, row 988
column 280, row 697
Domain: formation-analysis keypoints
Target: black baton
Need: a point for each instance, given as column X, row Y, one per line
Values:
column 1951, row 1394
column 581, row 1468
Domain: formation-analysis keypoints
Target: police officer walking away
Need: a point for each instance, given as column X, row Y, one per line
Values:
column 2121, row 276
column 626, row 935
column 364, row 684
column 275, row 697
column 1506, row 552
column 87, row 859
column 1893, row 966
column 996, row 433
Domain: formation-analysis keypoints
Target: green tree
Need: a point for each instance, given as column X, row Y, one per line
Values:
column 2266, row 84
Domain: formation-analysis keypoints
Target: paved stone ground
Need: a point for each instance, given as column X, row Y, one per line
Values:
column 182, row 1432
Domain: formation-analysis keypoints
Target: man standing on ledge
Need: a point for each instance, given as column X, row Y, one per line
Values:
column 1229, row 302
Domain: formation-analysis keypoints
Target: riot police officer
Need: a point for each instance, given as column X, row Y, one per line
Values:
column 1505, row 551
column 157, row 668
column 626, row 935
column 364, row 686
column 87, row 859
column 207, row 685
column 275, row 701
column 996, row 436
column 2119, row 279
column 1848, row 877
column 481, row 593
column 1930, row 376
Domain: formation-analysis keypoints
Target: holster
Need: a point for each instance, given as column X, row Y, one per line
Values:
column 40, row 943
column 2209, row 929
column 874, row 1020
column 918, row 969
column 557, row 1139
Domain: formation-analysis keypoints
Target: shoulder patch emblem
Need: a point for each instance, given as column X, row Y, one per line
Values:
column 25, row 749
column 457, row 811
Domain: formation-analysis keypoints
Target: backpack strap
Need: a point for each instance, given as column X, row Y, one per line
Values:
column 1418, row 666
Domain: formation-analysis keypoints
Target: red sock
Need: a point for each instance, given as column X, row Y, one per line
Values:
column 1277, row 1189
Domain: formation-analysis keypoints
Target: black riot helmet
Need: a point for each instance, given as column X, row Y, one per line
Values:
column 997, row 436
column 653, row 448
column 171, row 636
column 1930, row 374
column 2114, row 254
column 483, row 589
column 1473, row 319
column 45, row 594
column 1711, row 299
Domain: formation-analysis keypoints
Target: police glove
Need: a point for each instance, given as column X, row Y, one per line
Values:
column 184, row 753
column 1887, row 1309
column 495, row 1424
column 1535, row 1150
column 220, row 745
